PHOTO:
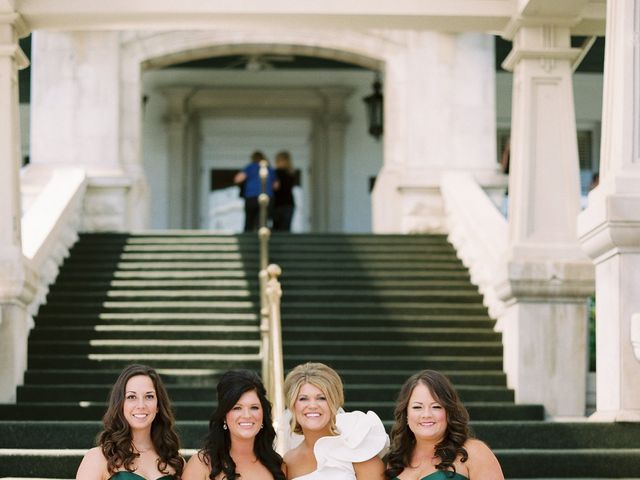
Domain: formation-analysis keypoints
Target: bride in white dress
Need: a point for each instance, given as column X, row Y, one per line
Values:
column 331, row 444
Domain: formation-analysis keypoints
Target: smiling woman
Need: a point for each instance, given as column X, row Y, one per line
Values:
column 335, row 445
column 139, row 439
column 430, row 438
column 240, row 439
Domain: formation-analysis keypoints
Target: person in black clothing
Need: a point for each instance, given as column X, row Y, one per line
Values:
column 284, row 204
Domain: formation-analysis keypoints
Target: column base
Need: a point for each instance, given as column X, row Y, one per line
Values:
column 616, row 416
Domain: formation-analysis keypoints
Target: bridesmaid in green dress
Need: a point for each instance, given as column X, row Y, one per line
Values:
column 138, row 441
column 239, row 444
column 430, row 439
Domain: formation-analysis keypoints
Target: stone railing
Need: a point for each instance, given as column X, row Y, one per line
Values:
column 479, row 232
column 50, row 227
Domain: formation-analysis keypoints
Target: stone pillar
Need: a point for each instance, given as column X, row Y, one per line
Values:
column 334, row 121
column 610, row 226
column 439, row 95
column 177, row 124
column 549, row 277
column 17, row 279
column 75, row 120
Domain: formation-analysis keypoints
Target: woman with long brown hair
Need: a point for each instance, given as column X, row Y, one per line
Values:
column 430, row 439
column 138, row 440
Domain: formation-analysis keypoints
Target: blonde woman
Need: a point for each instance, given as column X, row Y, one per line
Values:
column 334, row 445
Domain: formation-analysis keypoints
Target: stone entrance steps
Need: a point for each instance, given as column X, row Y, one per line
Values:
column 377, row 308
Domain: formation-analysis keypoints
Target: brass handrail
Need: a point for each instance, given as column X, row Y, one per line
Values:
column 270, row 325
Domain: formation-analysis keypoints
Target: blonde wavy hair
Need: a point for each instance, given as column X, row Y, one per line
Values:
column 325, row 378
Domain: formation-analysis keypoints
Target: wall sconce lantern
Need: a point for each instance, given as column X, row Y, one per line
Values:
column 375, row 109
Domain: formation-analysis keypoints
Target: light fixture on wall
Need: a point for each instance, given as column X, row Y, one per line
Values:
column 375, row 109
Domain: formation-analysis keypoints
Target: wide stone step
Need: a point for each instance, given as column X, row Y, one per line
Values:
column 558, row 435
column 79, row 434
column 251, row 266
column 285, row 256
column 144, row 332
column 390, row 320
column 143, row 346
column 99, row 393
column 201, row 411
column 133, row 306
column 209, row 377
column 570, row 463
column 293, row 295
column 158, row 360
column 381, row 392
column 321, row 348
column 322, row 333
column 106, row 275
column 287, row 275
column 532, row 435
column 374, row 306
column 87, row 297
column 517, row 463
column 414, row 362
column 252, row 283
column 277, row 247
column 196, row 378
column 148, row 318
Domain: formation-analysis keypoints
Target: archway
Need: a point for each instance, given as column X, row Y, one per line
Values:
column 142, row 53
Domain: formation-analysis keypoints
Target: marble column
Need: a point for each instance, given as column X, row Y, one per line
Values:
column 439, row 95
column 75, row 121
column 179, row 150
column 610, row 226
column 17, row 278
column 549, row 277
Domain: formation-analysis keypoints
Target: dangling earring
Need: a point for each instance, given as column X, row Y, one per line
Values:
column 224, row 425
column 261, row 426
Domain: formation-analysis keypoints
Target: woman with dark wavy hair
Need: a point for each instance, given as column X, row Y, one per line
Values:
column 239, row 444
column 430, row 439
column 139, row 439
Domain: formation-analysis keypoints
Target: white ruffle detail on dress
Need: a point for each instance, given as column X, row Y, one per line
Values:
column 362, row 436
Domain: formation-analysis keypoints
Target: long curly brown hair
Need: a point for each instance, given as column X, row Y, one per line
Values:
column 116, row 440
column 403, row 441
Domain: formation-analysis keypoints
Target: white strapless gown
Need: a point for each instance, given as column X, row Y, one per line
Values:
column 362, row 436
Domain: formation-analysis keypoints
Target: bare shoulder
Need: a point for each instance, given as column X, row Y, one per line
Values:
column 93, row 466
column 291, row 455
column 370, row 469
column 482, row 463
column 196, row 468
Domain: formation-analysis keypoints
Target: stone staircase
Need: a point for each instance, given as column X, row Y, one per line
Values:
column 376, row 308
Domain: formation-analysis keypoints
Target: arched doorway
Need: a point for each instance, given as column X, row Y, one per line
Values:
column 321, row 104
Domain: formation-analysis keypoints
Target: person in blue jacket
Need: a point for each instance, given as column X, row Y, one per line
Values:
column 249, row 180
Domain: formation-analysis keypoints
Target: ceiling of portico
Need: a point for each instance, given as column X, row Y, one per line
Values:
column 437, row 15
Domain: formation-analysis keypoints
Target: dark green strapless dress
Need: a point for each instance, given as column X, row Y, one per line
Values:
column 124, row 475
column 440, row 475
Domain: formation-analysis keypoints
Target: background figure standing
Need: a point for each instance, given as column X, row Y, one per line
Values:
column 284, row 204
column 252, row 188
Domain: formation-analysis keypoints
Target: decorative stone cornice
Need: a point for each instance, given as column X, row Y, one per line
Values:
column 550, row 280
column 15, row 52
column 518, row 22
column 610, row 225
column 518, row 54
column 17, row 21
